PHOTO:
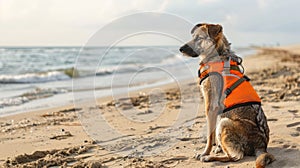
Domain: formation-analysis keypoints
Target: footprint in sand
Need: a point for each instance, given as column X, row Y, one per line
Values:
column 295, row 134
column 293, row 111
column 272, row 119
column 286, row 146
column 278, row 141
column 293, row 124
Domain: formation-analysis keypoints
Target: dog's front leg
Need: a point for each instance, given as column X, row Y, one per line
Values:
column 211, row 127
column 212, row 92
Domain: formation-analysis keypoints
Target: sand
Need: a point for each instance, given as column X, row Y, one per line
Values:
column 154, row 127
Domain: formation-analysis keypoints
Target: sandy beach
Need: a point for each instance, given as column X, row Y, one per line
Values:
column 154, row 127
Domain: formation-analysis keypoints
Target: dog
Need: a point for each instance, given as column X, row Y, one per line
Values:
column 233, row 109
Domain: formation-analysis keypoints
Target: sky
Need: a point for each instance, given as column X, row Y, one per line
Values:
column 75, row 22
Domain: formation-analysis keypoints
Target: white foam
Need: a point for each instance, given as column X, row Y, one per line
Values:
column 38, row 93
column 117, row 69
column 34, row 77
column 13, row 101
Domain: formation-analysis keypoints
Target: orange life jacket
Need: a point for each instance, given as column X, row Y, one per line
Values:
column 237, row 87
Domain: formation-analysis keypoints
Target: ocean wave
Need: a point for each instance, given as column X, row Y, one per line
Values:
column 169, row 61
column 173, row 60
column 38, row 93
column 34, row 77
column 117, row 69
column 13, row 101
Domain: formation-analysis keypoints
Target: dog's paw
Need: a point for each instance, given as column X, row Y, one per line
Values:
column 197, row 156
column 205, row 158
column 218, row 149
column 202, row 157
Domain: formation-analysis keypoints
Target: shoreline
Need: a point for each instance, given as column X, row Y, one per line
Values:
column 18, row 98
column 162, row 84
column 274, row 75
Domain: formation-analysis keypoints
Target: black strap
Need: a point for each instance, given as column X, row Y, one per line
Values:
column 235, row 85
column 207, row 75
column 240, row 105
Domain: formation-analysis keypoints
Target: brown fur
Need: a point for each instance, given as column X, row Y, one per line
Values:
column 241, row 131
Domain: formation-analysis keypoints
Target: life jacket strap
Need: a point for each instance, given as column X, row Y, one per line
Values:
column 226, row 68
column 207, row 75
column 240, row 105
column 235, row 85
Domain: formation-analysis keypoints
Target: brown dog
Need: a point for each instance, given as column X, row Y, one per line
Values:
column 233, row 111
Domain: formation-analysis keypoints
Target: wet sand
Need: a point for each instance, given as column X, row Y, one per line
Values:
column 154, row 127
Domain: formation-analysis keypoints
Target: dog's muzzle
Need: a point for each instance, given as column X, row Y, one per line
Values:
column 188, row 50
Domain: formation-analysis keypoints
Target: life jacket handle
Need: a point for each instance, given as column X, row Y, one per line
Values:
column 226, row 67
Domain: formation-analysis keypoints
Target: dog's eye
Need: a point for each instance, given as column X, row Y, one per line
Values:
column 198, row 38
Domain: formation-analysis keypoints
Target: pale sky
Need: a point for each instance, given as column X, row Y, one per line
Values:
column 73, row 22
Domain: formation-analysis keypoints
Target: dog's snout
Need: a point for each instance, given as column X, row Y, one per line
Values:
column 180, row 49
column 184, row 48
column 188, row 51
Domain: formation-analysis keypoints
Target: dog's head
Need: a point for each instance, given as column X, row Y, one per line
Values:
column 208, row 39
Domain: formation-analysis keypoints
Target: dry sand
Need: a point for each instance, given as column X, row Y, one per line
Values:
column 164, row 129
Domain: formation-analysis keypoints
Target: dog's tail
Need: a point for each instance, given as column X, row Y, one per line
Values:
column 263, row 159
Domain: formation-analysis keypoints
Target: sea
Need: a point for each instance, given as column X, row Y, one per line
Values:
column 35, row 78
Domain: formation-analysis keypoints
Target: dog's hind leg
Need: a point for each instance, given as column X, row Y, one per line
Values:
column 218, row 148
column 229, row 141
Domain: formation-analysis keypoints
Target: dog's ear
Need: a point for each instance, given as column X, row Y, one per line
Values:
column 214, row 30
column 195, row 27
